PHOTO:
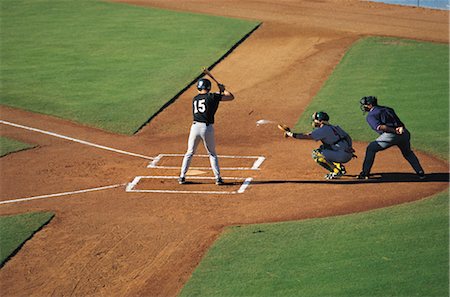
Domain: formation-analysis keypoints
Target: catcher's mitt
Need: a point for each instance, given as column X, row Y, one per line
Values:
column 285, row 129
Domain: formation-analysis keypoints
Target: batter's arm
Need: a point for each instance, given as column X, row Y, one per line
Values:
column 227, row 96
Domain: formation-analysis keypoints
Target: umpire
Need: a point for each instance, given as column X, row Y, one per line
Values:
column 385, row 122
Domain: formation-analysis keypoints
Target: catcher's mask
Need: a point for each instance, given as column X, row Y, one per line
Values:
column 319, row 118
column 368, row 100
column 203, row 84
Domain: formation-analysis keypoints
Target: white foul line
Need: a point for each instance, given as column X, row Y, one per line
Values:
column 61, row 194
column 76, row 140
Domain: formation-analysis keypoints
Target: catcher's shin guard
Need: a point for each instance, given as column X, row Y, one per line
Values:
column 339, row 168
column 320, row 159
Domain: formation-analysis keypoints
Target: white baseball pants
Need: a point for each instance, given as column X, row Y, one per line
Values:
column 201, row 131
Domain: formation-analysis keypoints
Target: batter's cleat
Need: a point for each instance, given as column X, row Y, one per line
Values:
column 219, row 181
column 181, row 180
column 362, row 175
column 421, row 175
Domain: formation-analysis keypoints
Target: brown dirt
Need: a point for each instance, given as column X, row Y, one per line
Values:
column 114, row 243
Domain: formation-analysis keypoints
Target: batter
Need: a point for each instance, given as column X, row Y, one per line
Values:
column 204, row 107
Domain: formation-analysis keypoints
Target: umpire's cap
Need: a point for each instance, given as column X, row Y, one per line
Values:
column 369, row 100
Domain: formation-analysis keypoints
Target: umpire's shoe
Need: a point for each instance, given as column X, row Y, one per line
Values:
column 421, row 175
column 362, row 175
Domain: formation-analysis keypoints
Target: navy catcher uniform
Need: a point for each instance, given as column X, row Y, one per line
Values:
column 204, row 107
column 385, row 122
column 336, row 147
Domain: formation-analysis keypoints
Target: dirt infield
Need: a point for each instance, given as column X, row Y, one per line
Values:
column 116, row 243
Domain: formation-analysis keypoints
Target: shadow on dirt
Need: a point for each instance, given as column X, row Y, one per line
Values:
column 391, row 177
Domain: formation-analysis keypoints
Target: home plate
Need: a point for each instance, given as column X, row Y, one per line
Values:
column 195, row 172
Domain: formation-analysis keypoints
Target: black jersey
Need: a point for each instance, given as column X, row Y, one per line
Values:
column 204, row 107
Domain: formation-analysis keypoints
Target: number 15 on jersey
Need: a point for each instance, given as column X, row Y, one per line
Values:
column 199, row 106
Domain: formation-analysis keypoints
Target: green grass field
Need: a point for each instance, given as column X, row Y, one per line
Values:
column 113, row 66
column 396, row 251
column 8, row 145
column 107, row 65
column 16, row 230
column 410, row 76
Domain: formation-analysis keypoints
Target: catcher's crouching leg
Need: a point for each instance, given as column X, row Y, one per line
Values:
column 320, row 159
column 339, row 168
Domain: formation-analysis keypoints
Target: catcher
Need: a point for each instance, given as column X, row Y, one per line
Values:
column 336, row 147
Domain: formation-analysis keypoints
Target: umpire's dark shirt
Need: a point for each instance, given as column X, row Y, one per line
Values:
column 382, row 115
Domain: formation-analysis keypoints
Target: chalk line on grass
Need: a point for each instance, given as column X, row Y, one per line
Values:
column 76, row 140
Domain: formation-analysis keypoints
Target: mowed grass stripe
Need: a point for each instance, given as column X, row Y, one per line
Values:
column 107, row 65
column 410, row 76
column 8, row 145
column 397, row 251
column 15, row 230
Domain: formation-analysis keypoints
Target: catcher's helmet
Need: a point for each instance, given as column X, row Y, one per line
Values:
column 320, row 116
column 203, row 84
column 372, row 100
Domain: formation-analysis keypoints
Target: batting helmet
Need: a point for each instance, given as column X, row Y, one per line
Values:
column 368, row 100
column 203, row 84
column 320, row 116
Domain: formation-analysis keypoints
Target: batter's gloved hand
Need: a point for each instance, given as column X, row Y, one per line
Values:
column 221, row 88
column 286, row 130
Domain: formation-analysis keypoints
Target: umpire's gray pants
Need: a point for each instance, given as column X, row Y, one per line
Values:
column 201, row 131
column 387, row 140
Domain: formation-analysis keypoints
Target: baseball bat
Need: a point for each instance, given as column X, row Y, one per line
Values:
column 206, row 71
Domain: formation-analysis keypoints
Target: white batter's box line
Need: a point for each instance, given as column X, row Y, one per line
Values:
column 259, row 160
column 131, row 186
